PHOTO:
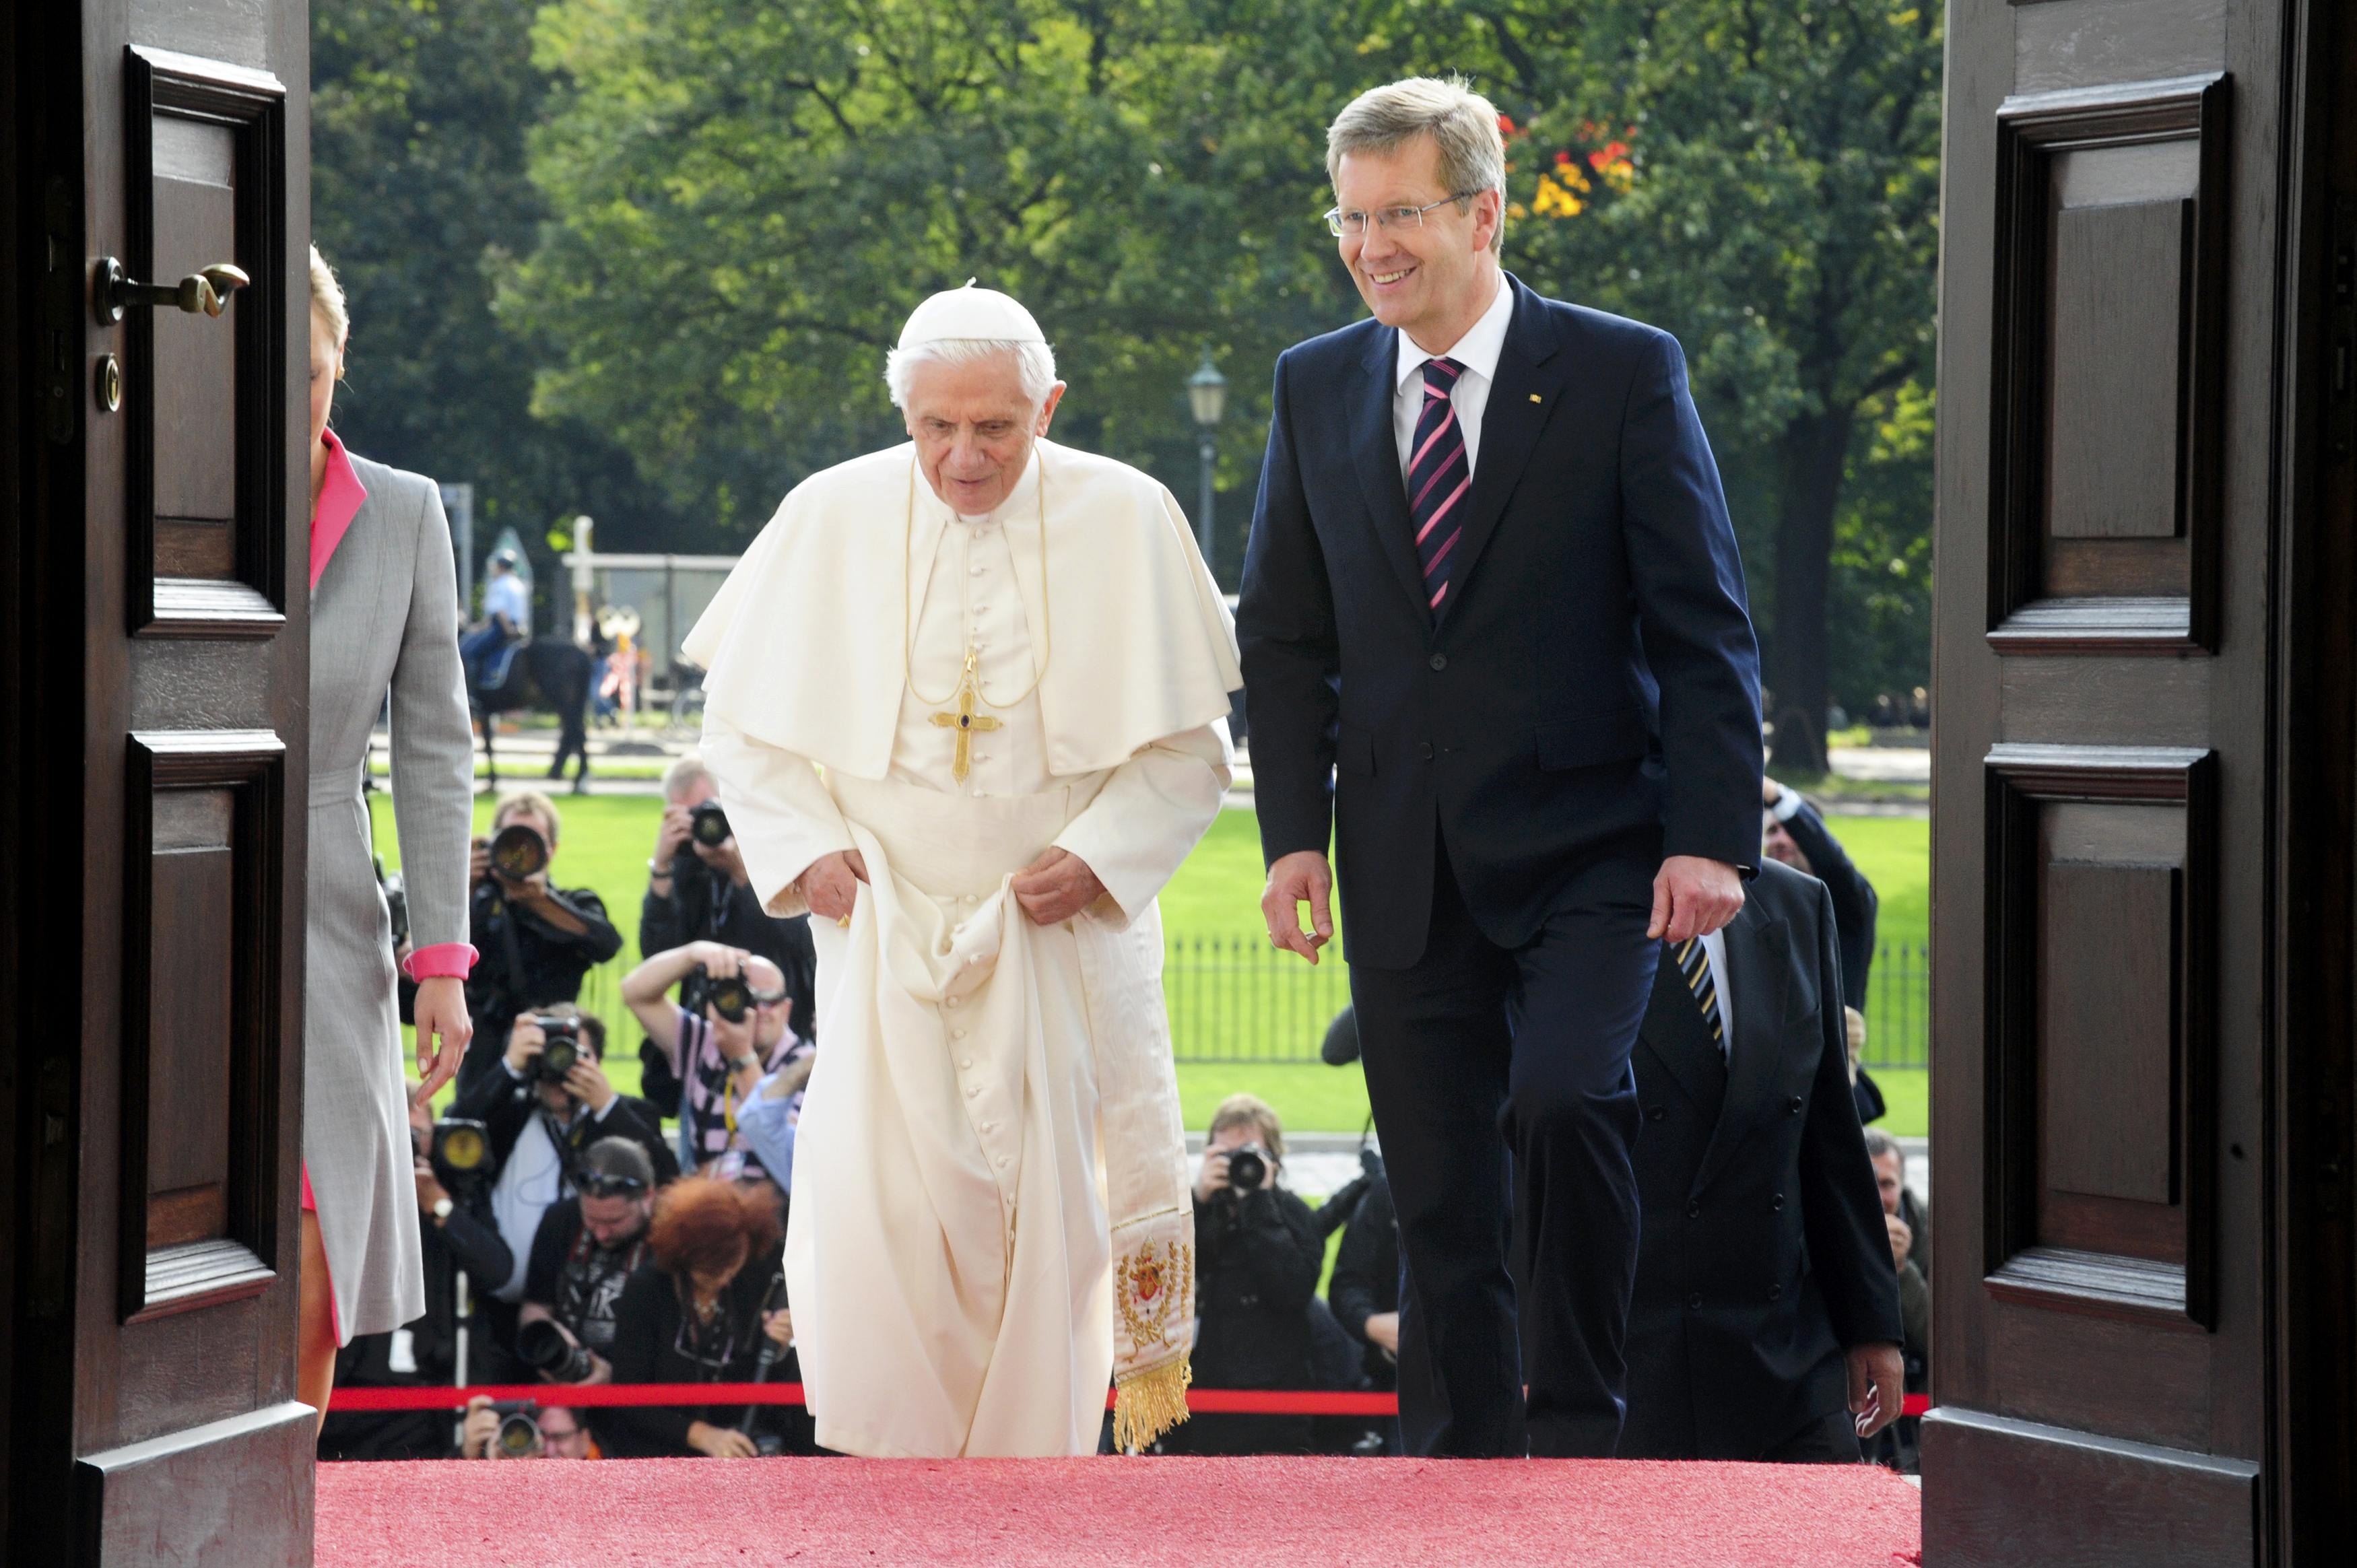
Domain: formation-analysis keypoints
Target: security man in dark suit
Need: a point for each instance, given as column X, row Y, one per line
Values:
column 1766, row 1321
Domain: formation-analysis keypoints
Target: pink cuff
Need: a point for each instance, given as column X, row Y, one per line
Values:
column 447, row 961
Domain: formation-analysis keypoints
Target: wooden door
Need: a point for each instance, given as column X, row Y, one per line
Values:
column 2142, row 761
column 155, row 648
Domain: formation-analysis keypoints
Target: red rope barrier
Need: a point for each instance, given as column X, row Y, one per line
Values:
column 1206, row 1402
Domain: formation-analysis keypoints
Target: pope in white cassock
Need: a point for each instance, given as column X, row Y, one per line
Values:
column 966, row 703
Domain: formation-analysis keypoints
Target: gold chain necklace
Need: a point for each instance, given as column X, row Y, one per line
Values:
column 908, row 627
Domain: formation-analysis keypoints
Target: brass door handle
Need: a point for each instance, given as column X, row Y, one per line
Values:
column 207, row 290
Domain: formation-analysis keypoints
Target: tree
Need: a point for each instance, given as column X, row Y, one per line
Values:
column 419, row 113
column 1762, row 178
column 748, row 198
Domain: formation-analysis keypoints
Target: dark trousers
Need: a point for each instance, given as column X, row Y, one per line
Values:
column 1501, row 1084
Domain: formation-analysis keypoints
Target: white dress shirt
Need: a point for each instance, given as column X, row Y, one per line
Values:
column 1714, row 948
column 1478, row 352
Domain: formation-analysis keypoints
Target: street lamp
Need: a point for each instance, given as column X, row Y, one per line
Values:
column 1207, row 391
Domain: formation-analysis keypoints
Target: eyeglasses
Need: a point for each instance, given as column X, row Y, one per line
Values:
column 593, row 1185
column 1355, row 222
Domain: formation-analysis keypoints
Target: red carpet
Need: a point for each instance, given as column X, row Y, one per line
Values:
column 1123, row 1513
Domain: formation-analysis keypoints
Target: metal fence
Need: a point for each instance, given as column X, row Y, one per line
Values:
column 1237, row 999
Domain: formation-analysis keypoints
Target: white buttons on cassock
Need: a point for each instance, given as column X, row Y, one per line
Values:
column 951, row 1001
column 973, row 1090
column 965, row 1061
column 957, row 1033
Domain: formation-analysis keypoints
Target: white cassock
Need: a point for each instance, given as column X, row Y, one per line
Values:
column 990, row 1217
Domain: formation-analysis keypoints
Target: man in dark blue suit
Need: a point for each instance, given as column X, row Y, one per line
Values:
column 1492, row 586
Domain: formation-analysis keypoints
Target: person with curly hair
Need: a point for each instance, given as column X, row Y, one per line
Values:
column 697, row 1313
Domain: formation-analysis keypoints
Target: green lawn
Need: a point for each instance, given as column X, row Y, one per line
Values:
column 1230, row 995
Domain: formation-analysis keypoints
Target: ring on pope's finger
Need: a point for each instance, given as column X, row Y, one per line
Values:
column 844, row 921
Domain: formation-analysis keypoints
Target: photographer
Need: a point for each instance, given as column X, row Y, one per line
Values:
column 494, row 1431
column 698, row 1312
column 541, row 1107
column 698, row 890
column 581, row 1257
column 1257, row 1259
column 537, row 940
column 727, row 1030
column 456, row 1229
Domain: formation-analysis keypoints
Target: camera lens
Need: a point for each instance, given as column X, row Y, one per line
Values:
column 1246, row 1169
column 544, row 1348
column 518, row 852
column 519, row 1437
column 708, row 824
column 463, row 1146
column 556, row 1059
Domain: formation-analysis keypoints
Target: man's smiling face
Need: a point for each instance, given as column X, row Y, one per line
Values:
column 1426, row 279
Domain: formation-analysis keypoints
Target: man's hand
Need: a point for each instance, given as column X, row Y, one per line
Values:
column 478, row 863
column 1692, row 897
column 718, row 960
column 1902, row 1239
column 720, row 1441
column 430, row 1190
column 724, row 858
column 669, row 837
column 832, row 882
column 1295, row 878
column 791, row 1077
column 1877, row 1381
column 1382, row 1328
column 780, row 1327
column 482, row 1426
column 587, row 1083
column 1056, row 886
column 443, row 1031
column 733, row 1041
column 1214, row 1177
column 526, row 1041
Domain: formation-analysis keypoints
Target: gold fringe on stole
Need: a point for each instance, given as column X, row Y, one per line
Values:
column 1147, row 1404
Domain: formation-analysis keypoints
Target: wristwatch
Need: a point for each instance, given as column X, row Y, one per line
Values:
column 741, row 1063
column 443, row 1209
column 657, row 873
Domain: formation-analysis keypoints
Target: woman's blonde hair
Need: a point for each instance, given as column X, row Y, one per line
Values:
column 328, row 297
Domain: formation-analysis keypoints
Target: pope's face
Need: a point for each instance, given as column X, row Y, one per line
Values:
column 1429, row 280
column 973, row 429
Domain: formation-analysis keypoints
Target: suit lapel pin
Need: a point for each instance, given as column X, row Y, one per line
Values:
column 1535, row 397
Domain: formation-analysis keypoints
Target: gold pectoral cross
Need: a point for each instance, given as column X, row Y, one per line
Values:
column 965, row 720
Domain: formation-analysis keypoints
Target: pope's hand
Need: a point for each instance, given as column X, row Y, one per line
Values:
column 1056, row 886
column 1692, row 897
column 1301, row 876
column 832, row 883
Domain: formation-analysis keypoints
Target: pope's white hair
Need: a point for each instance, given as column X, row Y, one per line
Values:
column 1035, row 364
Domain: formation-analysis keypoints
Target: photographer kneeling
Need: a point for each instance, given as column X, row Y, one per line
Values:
column 541, row 1107
column 728, row 1031
column 699, row 1311
column 536, row 941
column 510, row 1431
column 586, row 1250
column 1258, row 1256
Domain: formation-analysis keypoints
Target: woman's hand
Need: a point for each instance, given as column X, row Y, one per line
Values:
column 443, row 1031
column 720, row 1441
column 779, row 1326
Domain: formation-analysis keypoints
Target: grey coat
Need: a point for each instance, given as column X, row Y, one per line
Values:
column 384, row 616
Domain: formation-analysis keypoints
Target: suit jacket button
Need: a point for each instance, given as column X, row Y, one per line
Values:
column 1694, row 1211
column 1656, row 1113
column 1777, row 1206
column 1424, row 750
column 1440, row 661
column 1774, row 1292
column 1793, row 1105
column 1694, row 1302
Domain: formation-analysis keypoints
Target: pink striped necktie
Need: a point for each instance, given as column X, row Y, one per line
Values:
column 1439, row 475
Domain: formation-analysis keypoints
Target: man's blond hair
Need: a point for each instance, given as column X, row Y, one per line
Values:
column 1461, row 122
column 1251, row 1111
column 682, row 776
column 520, row 800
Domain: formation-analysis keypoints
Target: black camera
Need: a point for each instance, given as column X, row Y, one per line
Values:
column 519, row 1433
column 1247, row 1168
column 556, row 1058
column 396, row 901
column 518, row 852
column 707, row 824
column 732, row 996
column 461, row 1152
column 544, row 1348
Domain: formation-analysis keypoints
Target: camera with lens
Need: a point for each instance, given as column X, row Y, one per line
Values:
column 1247, row 1168
column 555, row 1064
column 461, row 1152
column 518, row 852
column 543, row 1348
column 707, row 824
column 732, row 995
column 519, row 1433
column 396, row 902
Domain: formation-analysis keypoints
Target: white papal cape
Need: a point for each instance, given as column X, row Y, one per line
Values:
column 991, row 1213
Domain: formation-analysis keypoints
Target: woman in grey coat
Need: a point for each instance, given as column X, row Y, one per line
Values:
column 384, row 616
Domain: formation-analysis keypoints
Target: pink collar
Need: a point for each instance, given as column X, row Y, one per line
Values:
column 341, row 494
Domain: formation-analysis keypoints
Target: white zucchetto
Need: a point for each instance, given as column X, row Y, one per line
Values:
column 970, row 313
